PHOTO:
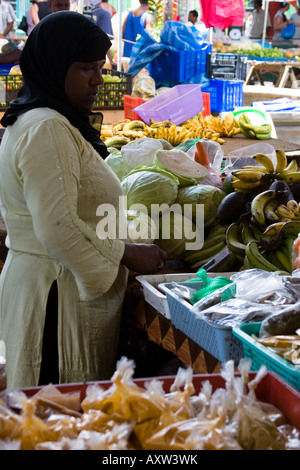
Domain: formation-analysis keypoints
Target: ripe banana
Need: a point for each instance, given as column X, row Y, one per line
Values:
column 255, row 168
column 285, row 212
column 273, row 229
column 281, row 161
column 258, row 205
column 257, row 259
column 265, row 161
column 133, row 125
column 293, row 206
column 234, row 241
column 247, row 175
column 244, row 186
column 291, row 168
column 291, row 177
column 116, row 141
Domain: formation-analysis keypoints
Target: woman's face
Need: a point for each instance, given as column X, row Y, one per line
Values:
column 82, row 82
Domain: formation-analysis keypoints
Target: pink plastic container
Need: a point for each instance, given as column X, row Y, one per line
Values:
column 178, row 104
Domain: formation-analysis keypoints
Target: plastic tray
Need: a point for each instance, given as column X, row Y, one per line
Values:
column 218, row 341
column 225, row 95
column 154, row 296
column 271, row 389
column 178, row 104
column 261, row 355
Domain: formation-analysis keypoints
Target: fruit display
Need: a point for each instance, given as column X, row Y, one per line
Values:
column 267, row 217
column 251, row 49
column 252, row 131
column 208, row 127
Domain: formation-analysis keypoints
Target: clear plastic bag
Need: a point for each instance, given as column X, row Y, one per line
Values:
column 215, row 155
column 244, row 156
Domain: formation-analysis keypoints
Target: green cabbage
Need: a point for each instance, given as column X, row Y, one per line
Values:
column 140, row 227
column 118, row 164
column 181, row 231
column 185, row 168
column 209, row 196
column 147, row 186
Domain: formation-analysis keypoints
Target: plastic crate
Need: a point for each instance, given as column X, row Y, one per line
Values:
column 225, row 95
column 261, row 355
column 178, row 65
column 130, row 103
column 226, row 66
column 218, row 341
column 9, row 87
column 178, row 104
column 206, row 104
column 111, row 94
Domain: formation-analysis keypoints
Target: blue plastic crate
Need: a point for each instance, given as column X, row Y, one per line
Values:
column 261, row 355
column 216, row 340
column 225, row 95
column 179, row 65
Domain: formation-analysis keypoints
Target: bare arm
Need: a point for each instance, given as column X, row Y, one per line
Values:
column 8, row 28
column 34, row 13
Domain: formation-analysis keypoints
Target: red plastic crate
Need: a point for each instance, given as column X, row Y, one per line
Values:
column 131, row 102
column 271, row 389
column 206, row 104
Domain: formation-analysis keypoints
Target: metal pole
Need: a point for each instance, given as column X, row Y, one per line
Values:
column 265, row 23
column 119, row 47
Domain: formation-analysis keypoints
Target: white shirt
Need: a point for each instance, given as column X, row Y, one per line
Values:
column 7, row 15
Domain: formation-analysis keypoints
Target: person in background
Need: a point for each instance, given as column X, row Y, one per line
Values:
column 59, row 5
column 106, row 6
column 258, row 17
column 193, row 17
column 7, row 19
column 134, row 24
column 280, row 20
column 296, row 20
column 63, row 282
column 39, row 9
column 103, row 19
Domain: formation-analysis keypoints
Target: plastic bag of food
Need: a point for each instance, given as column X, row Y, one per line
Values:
column 240, row 157
column 144, row 87
column 124, row 400
column 209, row 154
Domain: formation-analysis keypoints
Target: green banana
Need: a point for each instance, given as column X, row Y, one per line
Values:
column 258, row 204
column 204, row 254
column 269, row 211
column 291, row 229
column 246, row 232
column 265, row 161
column 129, row 126
column 116, row 141
column 257, row 232
column 256, row 258
column 217, row 230
column 273, row 258
column 234, row 241
column 281, row 161
column 263, row 129
column 285, row 260
column 263, row 136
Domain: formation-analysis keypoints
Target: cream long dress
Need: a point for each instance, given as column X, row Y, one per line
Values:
column 51, row 183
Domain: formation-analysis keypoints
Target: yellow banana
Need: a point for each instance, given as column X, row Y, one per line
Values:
column 255, row 168
column 244, row 186
column 265, row 161
column 293, row 206
column 250, row 176
column 258, row 205
column 291, row 168
column 273, row 229
column 292, row 177
column 281, row 161
column 234, row 240
column 283, row 211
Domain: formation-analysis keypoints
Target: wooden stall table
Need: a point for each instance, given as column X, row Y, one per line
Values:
column 284, row 70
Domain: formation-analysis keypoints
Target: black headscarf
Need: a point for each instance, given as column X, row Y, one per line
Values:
column 54, row 44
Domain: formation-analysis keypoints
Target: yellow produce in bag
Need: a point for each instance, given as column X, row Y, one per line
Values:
column 124, row 400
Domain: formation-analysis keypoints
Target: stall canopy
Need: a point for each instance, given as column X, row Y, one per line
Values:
column 222, row 13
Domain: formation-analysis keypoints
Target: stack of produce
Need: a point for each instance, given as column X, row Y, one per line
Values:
column 252, row 131
column 263, row 213
column 127, row 416
column 209, row 127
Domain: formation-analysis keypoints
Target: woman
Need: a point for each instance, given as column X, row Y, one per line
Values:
column 134, row 24
column 280, row 20
column 53, row 178
column 39, row 9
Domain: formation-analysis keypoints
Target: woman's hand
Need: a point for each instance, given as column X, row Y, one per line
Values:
column 143, row 258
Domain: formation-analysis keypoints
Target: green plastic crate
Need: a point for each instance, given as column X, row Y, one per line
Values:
column 261, row 355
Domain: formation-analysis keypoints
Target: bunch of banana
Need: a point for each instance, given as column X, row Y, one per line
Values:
column 267, row 210
column 214, row 242
column 252, row 131
column 250, row 177
column 227, row 127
